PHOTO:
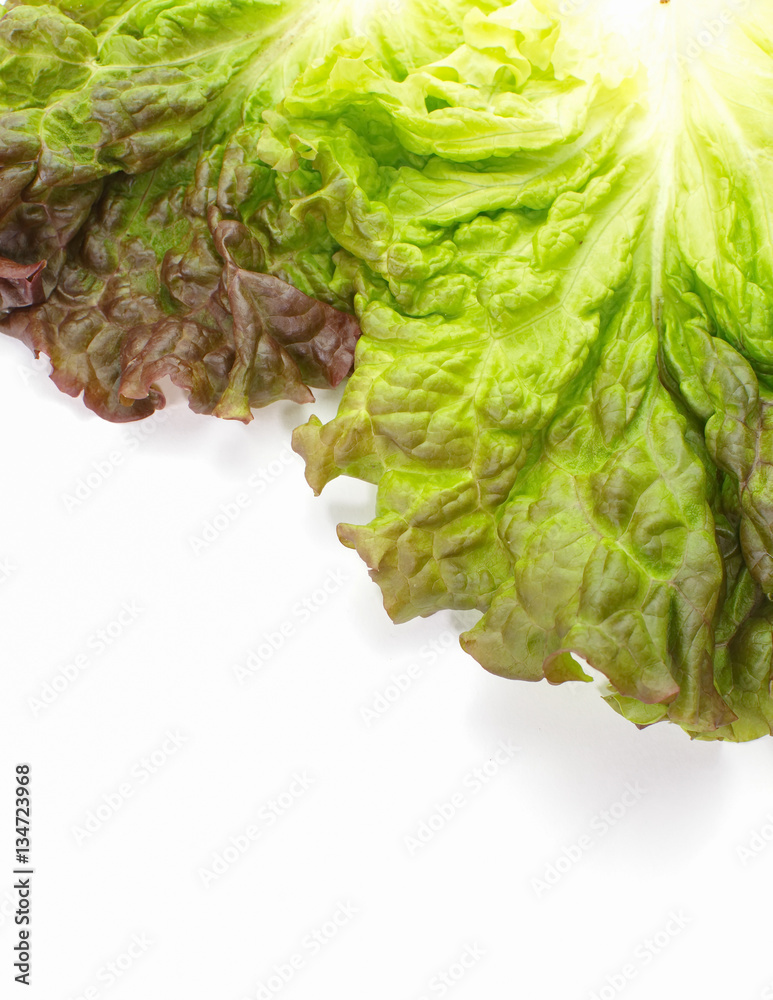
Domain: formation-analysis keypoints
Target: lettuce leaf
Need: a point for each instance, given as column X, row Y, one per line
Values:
column 552, row 224
column 564, row 280
column 160, row 281
column 127, row 167
column 20, row 284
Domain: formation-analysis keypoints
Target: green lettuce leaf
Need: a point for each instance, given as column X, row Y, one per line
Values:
column 564, row 278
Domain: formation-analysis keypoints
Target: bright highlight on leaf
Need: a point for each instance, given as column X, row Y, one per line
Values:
column 551, row 220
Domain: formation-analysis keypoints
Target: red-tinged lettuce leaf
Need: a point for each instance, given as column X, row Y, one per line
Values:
column 204, row 313
column 169, row 249
column 253, row 340
column 20, row 284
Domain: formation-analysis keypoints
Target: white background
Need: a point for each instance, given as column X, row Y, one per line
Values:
column 640, row 833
